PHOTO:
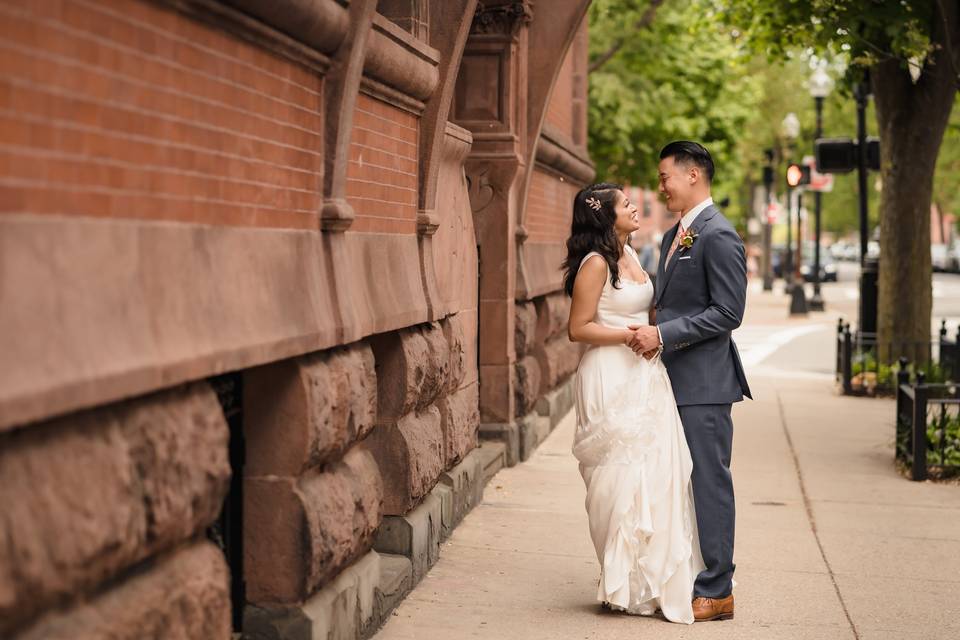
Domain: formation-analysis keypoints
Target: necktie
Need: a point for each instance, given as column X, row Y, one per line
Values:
column 676, row 243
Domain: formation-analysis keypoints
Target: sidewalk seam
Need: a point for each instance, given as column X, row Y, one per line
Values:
column 810, row 518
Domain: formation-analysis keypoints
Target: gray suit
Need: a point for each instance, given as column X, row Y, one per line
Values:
column 700, row 299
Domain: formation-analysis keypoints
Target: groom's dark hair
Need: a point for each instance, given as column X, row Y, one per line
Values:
column 686, row 152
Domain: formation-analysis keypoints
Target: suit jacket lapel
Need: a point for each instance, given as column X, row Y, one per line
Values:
column 696, row 227
column 703, row 218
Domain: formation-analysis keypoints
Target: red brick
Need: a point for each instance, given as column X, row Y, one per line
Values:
column 197, row 116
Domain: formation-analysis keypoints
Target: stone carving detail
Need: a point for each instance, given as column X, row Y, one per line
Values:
column 480, row 190
column 505, row 19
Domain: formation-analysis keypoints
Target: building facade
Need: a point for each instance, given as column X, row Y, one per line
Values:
column 279, row 291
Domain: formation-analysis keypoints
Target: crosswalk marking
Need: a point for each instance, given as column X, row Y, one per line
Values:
column 756, row 342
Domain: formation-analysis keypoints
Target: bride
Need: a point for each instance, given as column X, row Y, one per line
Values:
column 629, row 439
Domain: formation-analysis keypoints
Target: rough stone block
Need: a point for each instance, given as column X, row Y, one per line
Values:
column 455, row 333
column 413, row 367
column 534, row 429
column 553, row 313
column 183, row 595
column 459, row 420
column 298, row 533
column 558, row 359
column 304, row 411
column 416, row 536
column 410, row 456
column 466, row 483
column 506, row 432
column 557, row 403
column 525, row 328
column 526, row 388
column 89, row 494
column 339, row 611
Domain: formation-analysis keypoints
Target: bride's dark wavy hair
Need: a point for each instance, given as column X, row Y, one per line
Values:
column 592, row 230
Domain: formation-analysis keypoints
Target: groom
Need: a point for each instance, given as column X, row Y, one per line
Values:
column 700, row 295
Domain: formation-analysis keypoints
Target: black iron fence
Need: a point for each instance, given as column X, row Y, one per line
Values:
column 928, row 426
column 866, row 367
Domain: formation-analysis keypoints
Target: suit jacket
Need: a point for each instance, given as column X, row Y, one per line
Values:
column 700, row 298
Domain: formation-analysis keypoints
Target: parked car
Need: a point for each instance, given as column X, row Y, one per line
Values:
column 954, row 256
column 828, row 268
column 841, row 249
column 940, row 258
column 851, row 252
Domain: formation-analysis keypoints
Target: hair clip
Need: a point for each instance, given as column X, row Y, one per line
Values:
column 594, row 204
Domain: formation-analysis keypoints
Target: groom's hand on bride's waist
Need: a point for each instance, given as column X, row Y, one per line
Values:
column 645, row 340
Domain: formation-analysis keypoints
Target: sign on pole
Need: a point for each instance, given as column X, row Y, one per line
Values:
column 818, row 181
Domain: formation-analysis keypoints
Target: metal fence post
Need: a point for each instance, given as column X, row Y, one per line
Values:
column 839, row 346
column 847, row 358
column 919, row 435
column 903, row 418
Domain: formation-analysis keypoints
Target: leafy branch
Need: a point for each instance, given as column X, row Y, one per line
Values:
column 646, row 19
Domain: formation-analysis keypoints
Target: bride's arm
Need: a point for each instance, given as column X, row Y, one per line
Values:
column 586, row 295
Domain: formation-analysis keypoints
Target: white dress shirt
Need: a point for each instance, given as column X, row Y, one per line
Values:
column 691, row 215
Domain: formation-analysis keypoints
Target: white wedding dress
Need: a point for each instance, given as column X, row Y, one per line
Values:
column 636, row 466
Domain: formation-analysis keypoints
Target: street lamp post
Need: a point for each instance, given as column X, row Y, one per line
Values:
column 820, row 86
column 790, row 128
column 869, row 268
column 767, row 231
column 798, row 300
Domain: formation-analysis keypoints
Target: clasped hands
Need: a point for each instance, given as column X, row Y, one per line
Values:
column 643, row 339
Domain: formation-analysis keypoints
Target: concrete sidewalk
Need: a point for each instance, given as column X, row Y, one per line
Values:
column 831, row 541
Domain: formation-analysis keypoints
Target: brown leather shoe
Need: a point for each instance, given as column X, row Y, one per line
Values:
column 713, row 608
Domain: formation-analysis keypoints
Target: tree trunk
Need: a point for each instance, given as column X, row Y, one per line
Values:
column 912, row 119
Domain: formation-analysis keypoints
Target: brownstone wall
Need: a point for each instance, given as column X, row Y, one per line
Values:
column 275, row 189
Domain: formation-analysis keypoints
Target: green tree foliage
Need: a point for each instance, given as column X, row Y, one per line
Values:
column 909, row 51
column 946, row 183
column 684, row 76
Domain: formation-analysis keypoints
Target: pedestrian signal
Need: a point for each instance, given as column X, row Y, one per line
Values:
column 839, row 155
column 798, row 175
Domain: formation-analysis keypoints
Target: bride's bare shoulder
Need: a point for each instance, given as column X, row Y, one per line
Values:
column 593, row 266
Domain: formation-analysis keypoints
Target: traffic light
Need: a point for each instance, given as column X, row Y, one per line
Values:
column 798, row 175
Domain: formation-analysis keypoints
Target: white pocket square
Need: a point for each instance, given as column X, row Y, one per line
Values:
column 684, row 257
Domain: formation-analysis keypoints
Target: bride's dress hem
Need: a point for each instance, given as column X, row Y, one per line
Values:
column 634, row 516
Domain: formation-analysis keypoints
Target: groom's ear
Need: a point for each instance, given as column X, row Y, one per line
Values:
column 694, row 173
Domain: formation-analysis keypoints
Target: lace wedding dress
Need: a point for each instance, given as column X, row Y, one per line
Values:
column 636, row 466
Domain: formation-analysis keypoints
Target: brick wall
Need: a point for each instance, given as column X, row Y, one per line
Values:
column 549, row 207
column 560, row 108
column 125, row 109
column 382, row 174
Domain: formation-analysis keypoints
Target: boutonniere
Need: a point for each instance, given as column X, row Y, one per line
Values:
column 687, row 238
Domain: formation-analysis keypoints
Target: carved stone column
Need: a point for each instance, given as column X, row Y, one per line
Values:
column 489, row 101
